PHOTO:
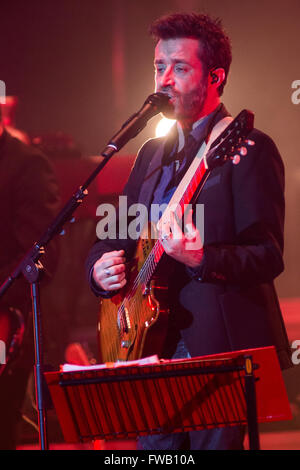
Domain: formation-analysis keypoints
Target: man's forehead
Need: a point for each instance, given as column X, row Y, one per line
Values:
column 177, row 48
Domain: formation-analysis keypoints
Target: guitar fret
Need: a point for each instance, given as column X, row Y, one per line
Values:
column 155, row 255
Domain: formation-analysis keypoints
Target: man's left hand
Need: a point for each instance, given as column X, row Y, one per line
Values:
column 186, row 247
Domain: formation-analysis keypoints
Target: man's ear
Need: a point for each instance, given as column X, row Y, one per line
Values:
column 217, row 76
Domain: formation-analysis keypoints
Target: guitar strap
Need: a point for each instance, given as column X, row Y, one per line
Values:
column 201, row 155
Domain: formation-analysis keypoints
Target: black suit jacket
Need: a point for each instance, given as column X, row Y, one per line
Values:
column 229, row 301
column 29, row 201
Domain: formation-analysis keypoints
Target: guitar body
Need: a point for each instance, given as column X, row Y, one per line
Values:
column 133, row 323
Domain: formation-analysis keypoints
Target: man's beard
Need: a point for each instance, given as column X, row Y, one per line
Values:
column 190, row 105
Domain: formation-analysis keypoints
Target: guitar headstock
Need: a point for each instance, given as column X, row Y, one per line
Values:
column 231, row 144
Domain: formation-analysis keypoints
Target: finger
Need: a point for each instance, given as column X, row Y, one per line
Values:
column 98, row 278
column 190, row 234
column 175, row 228
column 188, row 217
column 193, row 239
column 113, row 254
column 115, row 279
column 165, row 230
column 107, row 263
column 102, row 267
column 164, row 221
column 113, row 270
column 112, row 273
column 117, row 286
column 190, row 231
column 111, row 282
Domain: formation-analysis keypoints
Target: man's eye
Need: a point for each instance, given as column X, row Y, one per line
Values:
column 160, row 69
column 181, row 68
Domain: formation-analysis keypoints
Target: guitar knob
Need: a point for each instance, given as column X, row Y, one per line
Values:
column 250, row 142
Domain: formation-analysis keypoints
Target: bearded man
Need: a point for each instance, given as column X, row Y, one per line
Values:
column 222, row 296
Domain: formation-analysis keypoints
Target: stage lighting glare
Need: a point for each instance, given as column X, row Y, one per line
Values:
column 163, row 127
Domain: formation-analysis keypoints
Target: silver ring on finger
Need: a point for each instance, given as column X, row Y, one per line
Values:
column 107, row 272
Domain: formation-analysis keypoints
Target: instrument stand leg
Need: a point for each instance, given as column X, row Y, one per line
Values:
column 32, row 274
column 250, row 396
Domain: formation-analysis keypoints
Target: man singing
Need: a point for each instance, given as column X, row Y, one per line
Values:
column 222, row 296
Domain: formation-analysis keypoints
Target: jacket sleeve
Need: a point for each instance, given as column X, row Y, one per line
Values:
column 258, row 202
column 34, row 203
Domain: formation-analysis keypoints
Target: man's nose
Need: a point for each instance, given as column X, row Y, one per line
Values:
column 167, row 79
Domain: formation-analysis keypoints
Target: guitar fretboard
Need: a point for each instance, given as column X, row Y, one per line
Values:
column 145, row 274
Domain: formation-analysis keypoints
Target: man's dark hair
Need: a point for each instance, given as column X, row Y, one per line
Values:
column 215, row 47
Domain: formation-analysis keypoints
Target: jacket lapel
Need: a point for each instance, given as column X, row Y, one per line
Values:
column 155, row 169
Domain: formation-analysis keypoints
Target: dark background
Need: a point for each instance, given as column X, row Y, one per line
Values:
column 82, row 68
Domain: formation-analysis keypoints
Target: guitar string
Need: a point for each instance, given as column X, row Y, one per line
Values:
column 148, row 268
column 184, row 199
column 143, row 276
column 150, row 264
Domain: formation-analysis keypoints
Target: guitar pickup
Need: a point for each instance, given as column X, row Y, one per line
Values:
column 123, row 319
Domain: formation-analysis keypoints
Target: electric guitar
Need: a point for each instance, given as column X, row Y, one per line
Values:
column 133, row 323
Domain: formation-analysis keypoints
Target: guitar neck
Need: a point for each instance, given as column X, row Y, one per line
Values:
column 155, row 255
column 225, row 140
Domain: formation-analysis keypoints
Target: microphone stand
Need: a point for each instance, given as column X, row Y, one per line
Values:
column 30, row 266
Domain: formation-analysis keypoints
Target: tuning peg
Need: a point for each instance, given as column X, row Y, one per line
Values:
column 243, row 151
column 250, row 142
column 63, row 232
column 236, row 159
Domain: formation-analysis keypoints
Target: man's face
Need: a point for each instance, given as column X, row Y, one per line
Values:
column 179, row 73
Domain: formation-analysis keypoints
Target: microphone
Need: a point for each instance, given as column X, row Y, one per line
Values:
column 153, row 105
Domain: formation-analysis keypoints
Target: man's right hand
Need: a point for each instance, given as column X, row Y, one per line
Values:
column 109, row 271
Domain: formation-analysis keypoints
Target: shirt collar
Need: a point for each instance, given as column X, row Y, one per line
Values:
column 198, row 129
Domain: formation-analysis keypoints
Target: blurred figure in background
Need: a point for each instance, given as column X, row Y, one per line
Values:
column 29, row 201
column 8, row 111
